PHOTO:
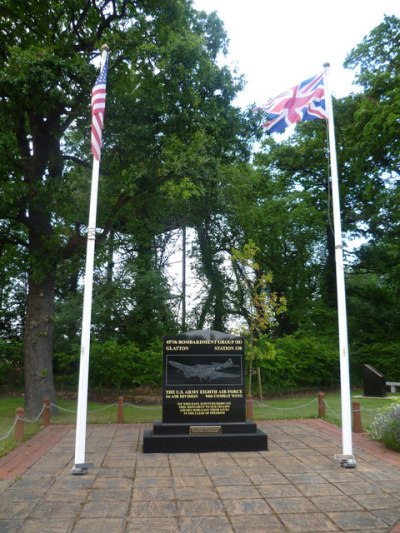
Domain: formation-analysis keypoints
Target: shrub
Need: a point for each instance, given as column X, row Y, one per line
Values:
column 301, row 361
column 386, row 426
column 11, row 364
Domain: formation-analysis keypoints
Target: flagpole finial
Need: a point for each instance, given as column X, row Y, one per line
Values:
column 327, row 64
column 104, row 48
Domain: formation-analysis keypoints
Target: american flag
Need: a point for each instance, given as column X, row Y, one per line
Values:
column 98, row 107
column 305, row 101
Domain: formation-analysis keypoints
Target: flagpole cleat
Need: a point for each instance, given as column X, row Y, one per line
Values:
column 81, row 469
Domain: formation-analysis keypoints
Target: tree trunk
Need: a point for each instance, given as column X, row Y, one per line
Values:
column 217, row 291
column 38, row 345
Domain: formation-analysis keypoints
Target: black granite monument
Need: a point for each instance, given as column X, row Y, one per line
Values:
column 204, row 404
column 374, row 382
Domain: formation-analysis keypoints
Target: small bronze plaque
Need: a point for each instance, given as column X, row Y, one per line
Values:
column 204, row 430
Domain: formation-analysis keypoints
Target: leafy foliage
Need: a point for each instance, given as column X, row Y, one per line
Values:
column 386, row 426
column 300, row 362
column 11, row 364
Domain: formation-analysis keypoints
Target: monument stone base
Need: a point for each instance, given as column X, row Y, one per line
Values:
column 210, row 437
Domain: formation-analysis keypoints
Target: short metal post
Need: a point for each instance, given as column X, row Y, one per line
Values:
column 357, row 425
column 249, row 407
column 120, row 410
column 321, row 405
column 46, row 412
column 19, row 425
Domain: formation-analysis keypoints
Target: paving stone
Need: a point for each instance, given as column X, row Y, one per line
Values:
column 73, row 483
column 117, row 472
column 192, row 481
column 210, row 459
column 320, row 489
column 390, row 516
column 153, row 471
column 248, row 462
column 245, row 507
column 232, row 480
column 152, row 460
column 267, row 477
column 258, row 524
column 60, row 495
column 29, row 484
column 237, row 491
column 154, row 482
column 104, row 510
column 307, row 522
column 200, row 508
column 224, row 471
column 195, row 493
column 153, row 525
column 336, row 503
column 188, row 470
column 348, row 520
column 154, row 508
column 360, row 487
column 15, row 510
column 376, row 501
column 292, row 467
column 54, row 525
column 367, row 530
column 291, row 505
column 10, row 526
column 45, row 510
column 377, row 476
column 278, row 491
column 182, row 459
column 153, row 493
column 341, row 476
column 205, row 524
column 389, row 486
column 112, row 483
column 15, row 495
column 110, row 495
column 307, row 477
column 6, row 483
column 105, row 525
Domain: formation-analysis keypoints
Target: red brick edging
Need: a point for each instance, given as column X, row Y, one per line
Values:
column 25, row 455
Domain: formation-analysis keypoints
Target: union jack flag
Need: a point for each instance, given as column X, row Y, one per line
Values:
column 305, row 101
column 98, row 108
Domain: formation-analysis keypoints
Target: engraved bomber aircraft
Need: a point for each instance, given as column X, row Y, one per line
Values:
column 209, row 372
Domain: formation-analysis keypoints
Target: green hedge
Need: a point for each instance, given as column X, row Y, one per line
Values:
column 112, row 365
column 300, row 362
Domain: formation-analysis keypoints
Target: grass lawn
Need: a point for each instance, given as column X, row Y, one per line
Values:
column 99, row 413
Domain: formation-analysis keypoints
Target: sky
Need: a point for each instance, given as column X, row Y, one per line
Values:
column 277, row 44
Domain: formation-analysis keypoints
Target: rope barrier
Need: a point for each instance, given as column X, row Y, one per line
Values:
column 263, row 404
column 338, row 415
column 4, row 437
column 91, row 410
column 63, row 408
column 33, row 420
column 139, row 406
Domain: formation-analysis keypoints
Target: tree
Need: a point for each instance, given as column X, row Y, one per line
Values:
column 165, row 83
column 261, row 305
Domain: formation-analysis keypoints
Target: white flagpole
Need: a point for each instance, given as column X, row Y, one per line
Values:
column 80, row 440
column 347, row 457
